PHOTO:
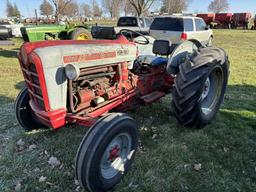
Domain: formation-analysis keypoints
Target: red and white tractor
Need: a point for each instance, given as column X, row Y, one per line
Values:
column 83, row 82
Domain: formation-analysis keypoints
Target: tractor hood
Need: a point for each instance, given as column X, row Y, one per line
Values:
column 82, row 53
column 51, row 57
column 37, row 32
column 43, row 28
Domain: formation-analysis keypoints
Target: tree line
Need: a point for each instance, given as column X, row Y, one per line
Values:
column 12, row 10
column 114, row 8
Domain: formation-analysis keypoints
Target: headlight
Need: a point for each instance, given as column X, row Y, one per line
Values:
column 72, row 72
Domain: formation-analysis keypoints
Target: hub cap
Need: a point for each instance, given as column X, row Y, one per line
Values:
column 206, row 88
column 83, row 36
column 115, row 156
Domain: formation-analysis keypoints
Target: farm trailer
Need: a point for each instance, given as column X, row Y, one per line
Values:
column 218, row 20
column 209, row 18
column 229, row 20
column 223, row 20
column 245, row 20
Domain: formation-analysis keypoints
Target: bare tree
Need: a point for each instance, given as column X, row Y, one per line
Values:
column 9, row 9
column 113, row 7
column 97, row 11
column 12, row 10
column 72, row 9
column 59, row 6
column 174, row 6
column 86, row 9
column 46, row 8
column 218, row 6
column 16, row 12
column 141, row 6
column 128, row 8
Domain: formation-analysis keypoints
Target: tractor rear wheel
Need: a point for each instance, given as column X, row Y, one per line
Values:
column 80, row 34
column 200, row 87
column 106, row 152
column 24, row 114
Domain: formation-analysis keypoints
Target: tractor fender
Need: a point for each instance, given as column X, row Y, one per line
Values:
column 146, row 49
column 181, row 53
column 77, row 26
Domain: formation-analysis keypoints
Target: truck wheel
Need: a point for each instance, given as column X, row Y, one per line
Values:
column 80, row 34
column 200, row 87
column 24, row 114
column 106, row 152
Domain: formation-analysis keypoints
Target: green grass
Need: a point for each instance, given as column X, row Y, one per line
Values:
column 226, row 149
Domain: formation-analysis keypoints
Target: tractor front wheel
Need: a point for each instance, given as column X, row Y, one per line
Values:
column 24, row 114
column 200, row 87
column 106, row 152
column 80, row 34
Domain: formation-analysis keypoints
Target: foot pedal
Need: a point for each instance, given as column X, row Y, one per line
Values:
column 152, row 97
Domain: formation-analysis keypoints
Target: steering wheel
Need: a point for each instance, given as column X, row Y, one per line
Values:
column 129, row 32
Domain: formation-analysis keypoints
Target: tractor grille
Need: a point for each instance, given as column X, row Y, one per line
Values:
column 33, row 84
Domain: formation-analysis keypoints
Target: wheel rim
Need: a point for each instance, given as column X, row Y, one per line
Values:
column 83, row 36
column 211, row 91
column 206, row 88
column 115, row 156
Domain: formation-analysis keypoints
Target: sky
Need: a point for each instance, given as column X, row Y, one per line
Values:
column 27, row 7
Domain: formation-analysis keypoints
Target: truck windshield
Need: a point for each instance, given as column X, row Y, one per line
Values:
column 127, row 22
column 167, row 24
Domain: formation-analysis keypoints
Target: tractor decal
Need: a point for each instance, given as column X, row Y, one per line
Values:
column 88, row 57
column 122, row 52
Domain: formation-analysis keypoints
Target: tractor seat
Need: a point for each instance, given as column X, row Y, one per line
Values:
column 152, row 60
column 160, row 47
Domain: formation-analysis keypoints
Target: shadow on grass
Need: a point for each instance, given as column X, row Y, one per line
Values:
column 5, row 100
column 9, row 53
column 155, row 115
column 239, row 118
column 240, row 97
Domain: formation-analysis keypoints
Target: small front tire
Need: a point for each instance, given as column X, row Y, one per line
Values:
column 24, row 114
column 106, row 152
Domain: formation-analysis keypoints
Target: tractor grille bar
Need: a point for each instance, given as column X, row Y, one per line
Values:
column 24, row 34
column 33, row 85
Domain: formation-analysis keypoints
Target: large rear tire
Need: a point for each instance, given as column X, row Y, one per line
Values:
column 200, row 87
column 24, row 114
column 80, row 34
column 106, row 152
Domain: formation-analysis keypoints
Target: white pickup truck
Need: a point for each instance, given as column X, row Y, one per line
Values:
column 138, row 24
